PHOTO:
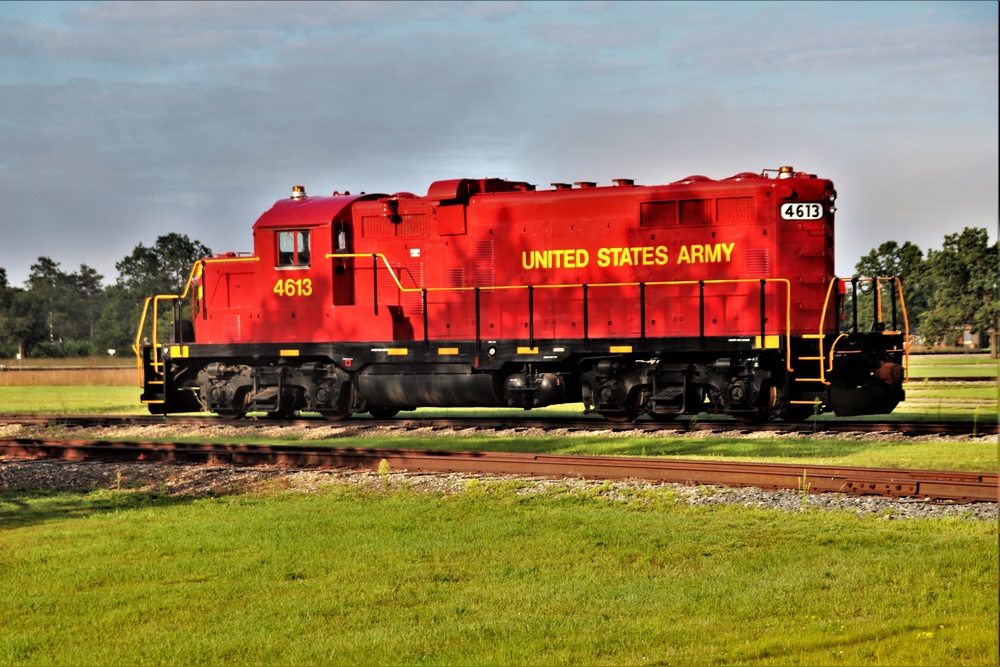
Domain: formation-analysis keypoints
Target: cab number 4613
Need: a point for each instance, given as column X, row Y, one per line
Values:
column 801, row 211
column 294, row 287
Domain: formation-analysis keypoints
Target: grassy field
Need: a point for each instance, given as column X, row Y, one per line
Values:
column 61, row 400
column 953, row 365
column 493, row 575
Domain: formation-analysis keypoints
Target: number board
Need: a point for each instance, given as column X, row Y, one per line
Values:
column 805, row 211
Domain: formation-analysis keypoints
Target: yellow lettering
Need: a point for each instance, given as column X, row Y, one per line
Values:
column 567, row 258
column 728, row 249
column 713, row 253
column 696, row 254
column 661, row 255
column 626, row 256
column 683, row 257
column 647, row 255
column 603, row 258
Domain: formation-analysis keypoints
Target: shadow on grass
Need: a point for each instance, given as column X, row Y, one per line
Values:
column 674, row 446
column 19, row 509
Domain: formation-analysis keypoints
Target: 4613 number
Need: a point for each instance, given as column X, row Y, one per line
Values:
column 801, row 211
column 294, row 287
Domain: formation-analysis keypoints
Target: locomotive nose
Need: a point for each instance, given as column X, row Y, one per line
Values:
column 890, row 373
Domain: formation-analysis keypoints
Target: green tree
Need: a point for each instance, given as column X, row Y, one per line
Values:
column 161, row 269
column 965, row 281
column 69, row 303
column 22, row 320
column 905, row 262
column 48, row 286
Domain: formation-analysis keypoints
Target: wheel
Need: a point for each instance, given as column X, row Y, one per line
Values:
column 623, row 417
column 342, row 410
column 765, row 404
column 239, row 409
column 382, row 412
column 334, row 415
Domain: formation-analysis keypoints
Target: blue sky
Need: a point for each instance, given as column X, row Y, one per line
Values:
column 121, row 122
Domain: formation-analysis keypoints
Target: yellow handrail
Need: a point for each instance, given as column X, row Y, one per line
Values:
column 399, row 286
column 196, row 269
column 878, row 296
column 137, row 346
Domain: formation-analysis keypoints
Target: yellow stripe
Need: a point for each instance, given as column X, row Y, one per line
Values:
column 178, row 351
column 447, row 350
column 620, row 348
column 770, row 343
column 397, row 351
column 289, row 353
column 527, row 350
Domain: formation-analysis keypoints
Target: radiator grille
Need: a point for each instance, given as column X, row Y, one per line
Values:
column 657, row 213
column 733, row 210
column 697, row 212
column 413, row 225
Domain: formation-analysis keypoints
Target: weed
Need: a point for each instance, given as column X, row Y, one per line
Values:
column 383, row 471
column 804, row 489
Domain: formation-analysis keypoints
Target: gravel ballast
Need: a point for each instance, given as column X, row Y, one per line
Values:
column 206, row 481
column 203, row 481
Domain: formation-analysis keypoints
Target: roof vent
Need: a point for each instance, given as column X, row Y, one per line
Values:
column 561, row 186
column 585, row 184
column 623, row 181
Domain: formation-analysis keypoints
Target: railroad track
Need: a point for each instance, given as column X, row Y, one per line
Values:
column 930, row 485
column 977, row 428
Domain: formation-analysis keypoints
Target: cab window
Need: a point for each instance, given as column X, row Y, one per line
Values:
column 293, row 248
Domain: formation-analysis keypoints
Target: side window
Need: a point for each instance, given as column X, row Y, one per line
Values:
column 293, row 248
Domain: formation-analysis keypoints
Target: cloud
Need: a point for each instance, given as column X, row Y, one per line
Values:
column 124, row 121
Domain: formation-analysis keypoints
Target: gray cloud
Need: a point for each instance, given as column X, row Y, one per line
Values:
column 137, row 119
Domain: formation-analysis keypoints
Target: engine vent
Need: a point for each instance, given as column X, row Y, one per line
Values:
column 735, row 210
column 657, row 213
column 697, row 212
column 413, row 225
column 758, row 262
column 412, row 277
column 484, row 267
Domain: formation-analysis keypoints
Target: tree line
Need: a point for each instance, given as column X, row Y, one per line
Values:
column 59, row 314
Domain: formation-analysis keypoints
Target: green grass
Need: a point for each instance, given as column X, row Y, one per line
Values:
column 71, row 400
column 489, row 576
column 932, row 366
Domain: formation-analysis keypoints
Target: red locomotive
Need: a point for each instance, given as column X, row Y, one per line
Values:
column 701, row 295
